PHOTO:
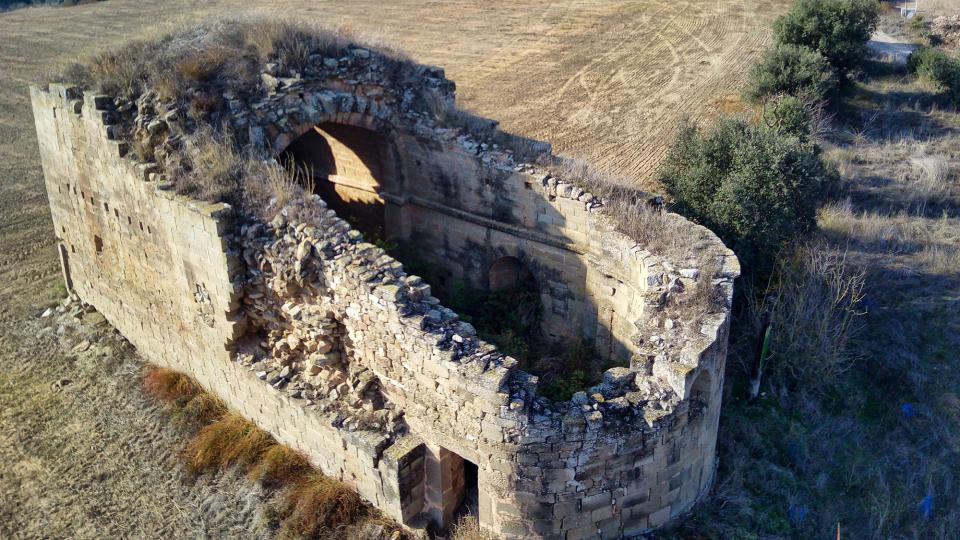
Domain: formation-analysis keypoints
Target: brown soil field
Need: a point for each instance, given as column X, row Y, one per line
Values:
column 602, row 80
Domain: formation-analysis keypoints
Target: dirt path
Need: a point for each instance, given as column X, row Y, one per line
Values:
column 893, row 49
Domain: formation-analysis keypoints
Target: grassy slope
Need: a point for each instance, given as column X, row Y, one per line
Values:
column 885, row 435
column 98, row 458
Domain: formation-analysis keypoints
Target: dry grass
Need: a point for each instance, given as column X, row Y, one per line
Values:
column 200, row 410
column 318, row 507
column 214, row 169
column 927, row 246
column 230, row 441
column 312, row 505
column 634, row 213
column 468, row 528
column 169, row 386
column 197, row 65
column 190, row 405
column 214, row 166
column 278, row 466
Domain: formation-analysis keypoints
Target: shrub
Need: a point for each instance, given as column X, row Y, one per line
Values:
column 837, row 29
column 791, row 69
column 510, row 318
column 317, row 506
column 814, row 307
column 939, row 68
column 788, row 116
column 572, row 366
column 755, row 188
column 232, row 440
column 173, row 388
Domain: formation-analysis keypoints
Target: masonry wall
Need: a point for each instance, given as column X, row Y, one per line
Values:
column 156, row 266
column 636, row 451
column 462, row 216
column 566, row 471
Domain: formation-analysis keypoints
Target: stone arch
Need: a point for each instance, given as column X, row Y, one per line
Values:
column 353, row 164
column 504, row 273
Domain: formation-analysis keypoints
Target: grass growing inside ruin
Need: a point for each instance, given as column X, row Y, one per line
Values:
column 468, row 528
column 193, row 68
column 312, row 505
column 511, row 319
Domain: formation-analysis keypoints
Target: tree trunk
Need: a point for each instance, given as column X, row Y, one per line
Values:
column 760, row 356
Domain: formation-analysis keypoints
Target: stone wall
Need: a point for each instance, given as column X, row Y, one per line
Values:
column 322, row 339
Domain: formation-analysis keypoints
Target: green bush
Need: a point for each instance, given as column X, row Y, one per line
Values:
column 837, row 29
column 791, row 69
column 939, row 68
column 789, row 116
column 754, row 187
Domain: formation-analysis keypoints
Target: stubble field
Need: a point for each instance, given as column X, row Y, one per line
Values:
column 602, row 80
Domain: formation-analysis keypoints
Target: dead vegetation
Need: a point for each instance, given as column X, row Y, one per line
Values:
column 319, row 507
column 815, row 308
column 214, row 168
column 857, row 430
column 312, row 505
column 635, row 213
column 468, row 528
column 198, row 65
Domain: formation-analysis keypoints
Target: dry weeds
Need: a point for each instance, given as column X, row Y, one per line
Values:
column 229, row 441
column 468, row 528
column 815, row 308
column 318, row 507
column 635, row 213
column 198, row 64
column 279, row 466
column 312, row 505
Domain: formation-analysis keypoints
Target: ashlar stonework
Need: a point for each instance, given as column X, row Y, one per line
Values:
column 325, row 341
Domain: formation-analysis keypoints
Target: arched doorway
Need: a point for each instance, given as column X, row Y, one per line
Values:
column 350, row 167
column 504, row 273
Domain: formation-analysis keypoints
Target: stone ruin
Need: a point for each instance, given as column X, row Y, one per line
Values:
column 323, row 340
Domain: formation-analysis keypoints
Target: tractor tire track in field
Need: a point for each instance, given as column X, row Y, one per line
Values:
column 601, row 79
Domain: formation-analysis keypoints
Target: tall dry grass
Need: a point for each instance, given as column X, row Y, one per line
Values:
column 927, row 246
column 635, row 213
column 229, row 441
column 216, row 56
column 814, row 305
column 312, row 505
column 468, row 528
column 318, row 507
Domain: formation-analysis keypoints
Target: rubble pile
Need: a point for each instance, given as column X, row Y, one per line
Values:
column 947, row 29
